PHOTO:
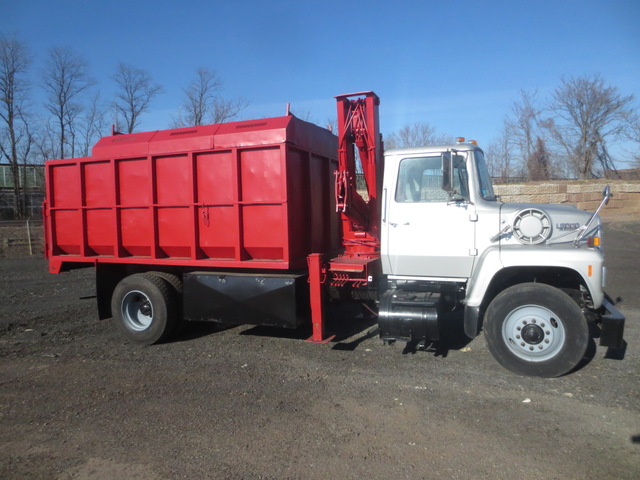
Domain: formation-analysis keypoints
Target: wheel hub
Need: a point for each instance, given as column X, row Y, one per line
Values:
column 532, row 334
column 145, row 309
column 137, row 310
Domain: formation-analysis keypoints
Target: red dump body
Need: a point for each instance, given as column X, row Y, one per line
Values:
column 254, row 194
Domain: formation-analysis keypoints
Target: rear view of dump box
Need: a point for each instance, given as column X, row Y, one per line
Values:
column 254, row 194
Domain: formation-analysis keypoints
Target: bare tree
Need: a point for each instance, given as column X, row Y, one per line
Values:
column 523, row 123
column 46, row 141
column 587, row 115
column 91, row 125
column 16, row 139
column 538, row 162
column 501, row 157
column 65, row 79
column 416, row 135
column 199, row 96
column 225, row 109
column 633, row 134
column 136, row 90
column 203, row 104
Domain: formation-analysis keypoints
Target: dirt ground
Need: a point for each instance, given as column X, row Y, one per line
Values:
column 78, row 402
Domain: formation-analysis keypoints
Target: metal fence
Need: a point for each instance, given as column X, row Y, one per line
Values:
column 24, row 236
column 32, row 204
column 31, row 177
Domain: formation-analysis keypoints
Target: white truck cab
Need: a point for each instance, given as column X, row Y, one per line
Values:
column 531, row 274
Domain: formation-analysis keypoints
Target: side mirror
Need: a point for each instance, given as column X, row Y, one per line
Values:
column 606, row 194
column 447, row 184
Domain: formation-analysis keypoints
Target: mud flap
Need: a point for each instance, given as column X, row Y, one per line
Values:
column 611, row 326
column 471, row 321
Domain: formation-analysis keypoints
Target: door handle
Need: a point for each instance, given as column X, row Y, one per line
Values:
column 396, row 224
column 384, row 205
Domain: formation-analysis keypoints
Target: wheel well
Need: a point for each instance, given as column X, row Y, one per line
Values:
column 563, row 278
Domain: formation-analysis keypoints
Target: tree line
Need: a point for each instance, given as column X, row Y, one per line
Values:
column 74, row 115
column 570, row 134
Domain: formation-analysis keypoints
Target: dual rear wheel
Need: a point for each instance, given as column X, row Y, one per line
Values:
column 146, row 306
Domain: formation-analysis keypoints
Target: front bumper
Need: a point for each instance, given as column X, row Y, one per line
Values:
column 611, row 325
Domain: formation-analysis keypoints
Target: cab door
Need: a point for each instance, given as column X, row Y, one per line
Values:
column 427, row 231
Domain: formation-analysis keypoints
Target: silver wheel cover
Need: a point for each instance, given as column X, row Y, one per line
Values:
column 137, row 311
column 533, row 333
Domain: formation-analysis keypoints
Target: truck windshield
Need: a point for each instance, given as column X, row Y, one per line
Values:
column 486, row 188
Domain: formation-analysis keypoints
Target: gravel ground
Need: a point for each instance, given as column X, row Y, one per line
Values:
column 79, row 402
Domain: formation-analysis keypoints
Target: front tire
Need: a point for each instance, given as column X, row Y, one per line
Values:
column 537, row 330
column 144, row 308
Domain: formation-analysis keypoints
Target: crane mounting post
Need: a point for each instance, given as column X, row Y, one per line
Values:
column 358, row 138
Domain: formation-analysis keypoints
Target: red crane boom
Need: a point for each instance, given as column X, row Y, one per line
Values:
column 358, row 127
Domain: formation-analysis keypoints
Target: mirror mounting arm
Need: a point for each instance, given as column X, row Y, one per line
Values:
column 606, row 195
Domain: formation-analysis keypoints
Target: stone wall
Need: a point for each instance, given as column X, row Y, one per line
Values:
column 586, row 195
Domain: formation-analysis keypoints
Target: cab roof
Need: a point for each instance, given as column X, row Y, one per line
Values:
column 464, row 147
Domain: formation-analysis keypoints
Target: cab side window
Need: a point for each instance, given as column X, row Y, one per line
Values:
column 420, row 180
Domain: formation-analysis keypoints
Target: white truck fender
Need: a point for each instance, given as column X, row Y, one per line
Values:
column 587, row 262
column 485, row 268
column 487, row 265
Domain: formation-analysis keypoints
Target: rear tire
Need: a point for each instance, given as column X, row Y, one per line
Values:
column 144, row 308
column 537, row 330
column 177, row 289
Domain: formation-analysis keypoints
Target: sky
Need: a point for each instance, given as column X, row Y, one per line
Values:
column 457, row 65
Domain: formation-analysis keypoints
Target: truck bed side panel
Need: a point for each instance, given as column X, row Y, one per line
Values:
column 238, row 195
